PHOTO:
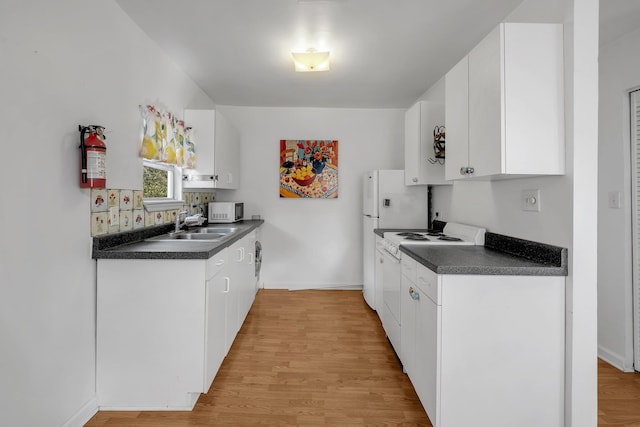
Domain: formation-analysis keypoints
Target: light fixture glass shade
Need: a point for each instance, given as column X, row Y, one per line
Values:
column 311, row 60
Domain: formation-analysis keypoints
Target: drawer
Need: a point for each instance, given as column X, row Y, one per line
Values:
column 216, row 263
column 409, row 266
column 427, row 282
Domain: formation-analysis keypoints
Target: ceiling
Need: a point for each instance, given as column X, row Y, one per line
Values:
column 384, row 53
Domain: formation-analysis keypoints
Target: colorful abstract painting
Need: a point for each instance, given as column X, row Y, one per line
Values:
column 309, row 168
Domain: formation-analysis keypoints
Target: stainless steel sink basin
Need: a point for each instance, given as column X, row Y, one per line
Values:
column 214, row 229
column 204, row 234
column 187, row 237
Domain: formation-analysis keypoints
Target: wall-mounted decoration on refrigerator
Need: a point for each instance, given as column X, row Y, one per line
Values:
column 309, row 168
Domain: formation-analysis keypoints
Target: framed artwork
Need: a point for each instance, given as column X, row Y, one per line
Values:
column 309, row 168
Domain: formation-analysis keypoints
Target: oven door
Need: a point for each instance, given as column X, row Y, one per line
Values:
column 391, row 275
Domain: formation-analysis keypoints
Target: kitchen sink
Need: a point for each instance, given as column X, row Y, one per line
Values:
column 204, row 234
column 187, row 237
column 214, row 229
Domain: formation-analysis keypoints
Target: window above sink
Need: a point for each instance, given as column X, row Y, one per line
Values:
column 162, row 186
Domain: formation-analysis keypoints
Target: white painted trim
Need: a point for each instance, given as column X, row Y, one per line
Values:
column 308, row 286
column 634, row 145
column 162, row 205
column 84, row 414
column 614, row 359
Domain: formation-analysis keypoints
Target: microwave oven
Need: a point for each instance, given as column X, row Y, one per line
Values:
column 225, row 212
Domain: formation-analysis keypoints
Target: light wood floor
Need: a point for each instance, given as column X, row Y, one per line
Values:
column 308, row 358
column 300, row 358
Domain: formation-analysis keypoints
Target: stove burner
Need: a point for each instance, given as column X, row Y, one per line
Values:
column 434, row 233
column 417, row 237
column 410, row 234
column 449, row 238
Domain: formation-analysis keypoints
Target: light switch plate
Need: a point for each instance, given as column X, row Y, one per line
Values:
column 530, row 200
column 114, row 216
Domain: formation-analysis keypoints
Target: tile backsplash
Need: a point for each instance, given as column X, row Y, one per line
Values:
column 113, row 211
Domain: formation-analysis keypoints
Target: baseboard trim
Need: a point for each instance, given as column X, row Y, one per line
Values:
column 614, row 359
column 84, row 414
column 312, row 286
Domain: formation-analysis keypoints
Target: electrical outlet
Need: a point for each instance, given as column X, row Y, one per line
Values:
column 615, row 199
column 114, row 216
column 530, row 200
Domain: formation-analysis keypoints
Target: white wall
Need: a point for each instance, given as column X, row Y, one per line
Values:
column 63, row 64
column 311, row 243
column 619, row 73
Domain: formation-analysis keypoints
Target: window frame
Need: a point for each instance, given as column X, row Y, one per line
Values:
column 174, row 188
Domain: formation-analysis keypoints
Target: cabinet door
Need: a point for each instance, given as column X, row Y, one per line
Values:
column 249, row 277
column 486, row 113
column 457, row 119
column 215, row 348
column 534, row 118
column 412, row 145
column 203, row 123
column 424, row 375
column 420, row 121
column 236, row 257
column 227, row 154
column 408, row 328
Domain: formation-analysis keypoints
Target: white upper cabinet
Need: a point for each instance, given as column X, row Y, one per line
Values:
column 420, row 164
column 217, row 151
column 505, row 105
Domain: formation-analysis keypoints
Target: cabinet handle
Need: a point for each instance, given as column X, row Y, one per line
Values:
column 466, row 170
column 250, row 255
column 414, row 295
column 415, row 180
column 227, row 282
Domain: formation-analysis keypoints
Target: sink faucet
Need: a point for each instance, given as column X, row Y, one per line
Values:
column 178, row 224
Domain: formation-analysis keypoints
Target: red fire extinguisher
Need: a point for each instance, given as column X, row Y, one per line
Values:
column 93, row 173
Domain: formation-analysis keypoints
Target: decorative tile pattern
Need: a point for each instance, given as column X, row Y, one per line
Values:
column 126, row 222
column 99, row 224
column 137, row 199
column 126, row 200
column 130, row 211
column 98, row 200
column 138, row 217
column 113, row 228
column 114, row 198
column 159, row 218
column 149, row 218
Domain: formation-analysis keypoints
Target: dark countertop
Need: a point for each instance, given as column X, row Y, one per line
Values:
column 500, row 255
column 133, row 244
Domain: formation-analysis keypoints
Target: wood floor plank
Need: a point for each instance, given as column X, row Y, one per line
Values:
column 321, row 358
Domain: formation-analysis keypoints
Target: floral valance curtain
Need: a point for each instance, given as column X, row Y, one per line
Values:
column 166, row 139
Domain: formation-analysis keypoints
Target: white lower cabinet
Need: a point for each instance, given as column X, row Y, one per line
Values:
column 419, row 337
column 484, row 350
column 243, row 289
column 164, row 327
column 217, row 287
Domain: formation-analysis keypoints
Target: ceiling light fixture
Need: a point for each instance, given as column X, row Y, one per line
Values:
column 311, row 60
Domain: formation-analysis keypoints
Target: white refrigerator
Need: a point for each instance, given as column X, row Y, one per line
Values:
column 387, row 203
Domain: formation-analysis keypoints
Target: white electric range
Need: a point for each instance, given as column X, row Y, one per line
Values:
column 389, row 259
column 452, row 234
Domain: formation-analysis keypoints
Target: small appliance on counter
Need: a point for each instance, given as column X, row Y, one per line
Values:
column 225, row 212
